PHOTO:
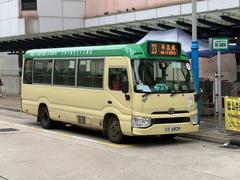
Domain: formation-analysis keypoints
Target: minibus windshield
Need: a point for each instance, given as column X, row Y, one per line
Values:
column 162, row 76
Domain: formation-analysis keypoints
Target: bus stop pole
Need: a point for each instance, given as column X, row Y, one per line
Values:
column 194, row 53
column 219, row 90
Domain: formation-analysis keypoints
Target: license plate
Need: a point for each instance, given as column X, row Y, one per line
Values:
column 172, row 128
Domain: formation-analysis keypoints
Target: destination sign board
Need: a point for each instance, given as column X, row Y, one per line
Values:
column 164, row 48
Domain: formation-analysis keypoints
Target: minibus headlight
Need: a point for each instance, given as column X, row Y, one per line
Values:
column 194, row 119
column 140, row 122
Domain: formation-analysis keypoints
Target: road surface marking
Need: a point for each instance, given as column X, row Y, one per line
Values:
column 66, row 136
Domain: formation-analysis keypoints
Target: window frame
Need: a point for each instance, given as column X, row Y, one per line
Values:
column 77, row 59
column 24, row 71
column 23, row 6
column 43, row 59
column 91, row 58
column 67, row 58
column 116, row 67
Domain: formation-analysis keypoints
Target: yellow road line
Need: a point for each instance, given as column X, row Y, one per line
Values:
column 67, row 136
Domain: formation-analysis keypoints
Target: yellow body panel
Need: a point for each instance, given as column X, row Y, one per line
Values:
column 161, row 129
column 69, row 104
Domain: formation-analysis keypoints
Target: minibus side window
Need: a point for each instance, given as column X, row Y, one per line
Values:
column 42, row 71
column 27, row 76
column 64, row 72
column 90, row 73
column 116, row 77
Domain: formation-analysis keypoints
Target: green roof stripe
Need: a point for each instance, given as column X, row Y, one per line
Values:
column 129, row 50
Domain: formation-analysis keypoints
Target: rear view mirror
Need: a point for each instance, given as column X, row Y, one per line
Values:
column 125, row 87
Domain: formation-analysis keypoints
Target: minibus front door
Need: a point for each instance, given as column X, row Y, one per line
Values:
column 118, row 90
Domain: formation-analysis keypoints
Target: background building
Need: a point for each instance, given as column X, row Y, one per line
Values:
column 23, row 17
column 28, row 24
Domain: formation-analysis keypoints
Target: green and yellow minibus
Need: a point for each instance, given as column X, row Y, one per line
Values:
column 124, row 90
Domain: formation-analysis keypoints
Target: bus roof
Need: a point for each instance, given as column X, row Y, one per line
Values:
column 131, row 51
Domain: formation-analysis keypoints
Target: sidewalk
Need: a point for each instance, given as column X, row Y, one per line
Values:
column 208, row 130
column 10, row 102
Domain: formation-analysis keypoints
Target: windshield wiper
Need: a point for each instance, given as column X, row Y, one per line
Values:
column 148, row 93
column 175, row 92
column 179, row 92
column 188, row 91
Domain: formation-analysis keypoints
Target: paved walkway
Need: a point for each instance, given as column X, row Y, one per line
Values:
column 10, row 102
column 208, row 130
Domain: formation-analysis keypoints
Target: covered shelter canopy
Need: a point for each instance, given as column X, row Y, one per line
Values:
column 218, row 23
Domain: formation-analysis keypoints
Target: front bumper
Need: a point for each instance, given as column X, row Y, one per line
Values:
column 159, row 129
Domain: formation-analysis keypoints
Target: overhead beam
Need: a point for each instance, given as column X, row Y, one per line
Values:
column 230, row 19
column 57, row 41
column 135, row 31
column 91, row 39
column 212, row 24
column 148, row 28
column 165, row 26
column 125, row 34
column 202, row 31
column 72, row 42
column 227, row 30
column 78, row 40
column 113, row 36
column 109, row 39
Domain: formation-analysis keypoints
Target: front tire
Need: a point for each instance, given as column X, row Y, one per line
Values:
column 45, row 119
column 114, row 131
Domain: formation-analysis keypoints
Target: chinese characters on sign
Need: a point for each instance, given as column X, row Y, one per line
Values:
column 164, row 49
column 232, row 113
column 218, row 43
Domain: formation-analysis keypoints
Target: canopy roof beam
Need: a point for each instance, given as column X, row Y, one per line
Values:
column 136, row 32
column 114, row 36
column 230, row 19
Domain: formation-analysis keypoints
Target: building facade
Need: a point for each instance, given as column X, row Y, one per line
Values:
column 102, row 21
column 22, row 17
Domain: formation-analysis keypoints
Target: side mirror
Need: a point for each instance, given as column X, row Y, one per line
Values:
column 125, row 87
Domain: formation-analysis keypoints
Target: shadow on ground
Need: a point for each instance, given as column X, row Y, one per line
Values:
column 97, row 135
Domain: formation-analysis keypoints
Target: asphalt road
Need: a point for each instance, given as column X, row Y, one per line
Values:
column 27, row 152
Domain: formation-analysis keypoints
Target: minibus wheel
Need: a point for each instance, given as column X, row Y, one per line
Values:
column 114, row 131
column 44, row 118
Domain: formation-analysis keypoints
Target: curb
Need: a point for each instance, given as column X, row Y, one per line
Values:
column 206, row 138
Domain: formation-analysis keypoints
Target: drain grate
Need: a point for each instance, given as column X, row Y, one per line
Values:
column 232, row 144
column 8, row 130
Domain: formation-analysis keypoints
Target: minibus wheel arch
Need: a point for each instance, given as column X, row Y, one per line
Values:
column 39, row 109
column 105, row 121
column 44, row 117
column 113, row 129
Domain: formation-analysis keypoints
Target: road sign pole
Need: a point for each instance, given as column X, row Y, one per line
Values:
column 216, row 95
column 219, row 44
column 195, row 54
column 219, row 91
